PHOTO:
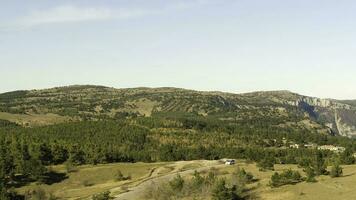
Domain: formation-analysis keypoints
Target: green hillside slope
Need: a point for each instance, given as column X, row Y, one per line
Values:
column 81, row 102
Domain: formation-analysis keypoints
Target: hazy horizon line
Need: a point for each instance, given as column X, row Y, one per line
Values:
column 174, row 87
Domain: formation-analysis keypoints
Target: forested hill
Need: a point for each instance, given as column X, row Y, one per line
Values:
column 92, row 124
column 83, row 102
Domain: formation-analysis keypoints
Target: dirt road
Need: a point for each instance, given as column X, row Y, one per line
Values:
column 137, row 192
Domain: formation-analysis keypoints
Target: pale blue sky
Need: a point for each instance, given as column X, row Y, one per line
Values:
column 306, row 46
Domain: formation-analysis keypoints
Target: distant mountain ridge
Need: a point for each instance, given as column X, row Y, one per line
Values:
column 337, row 115
column 79, row 102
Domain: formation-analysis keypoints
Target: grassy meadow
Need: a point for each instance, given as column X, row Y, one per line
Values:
column 87, row 180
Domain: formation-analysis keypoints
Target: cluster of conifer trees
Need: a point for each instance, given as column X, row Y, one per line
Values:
column 25, row 152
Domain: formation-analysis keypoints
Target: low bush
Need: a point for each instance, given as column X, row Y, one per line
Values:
column 120, row 177
column 102, row 196
column 285, row 178
column 243, row 176
column 336, row 170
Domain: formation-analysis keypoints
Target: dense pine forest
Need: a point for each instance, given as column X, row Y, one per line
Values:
column 184, row 126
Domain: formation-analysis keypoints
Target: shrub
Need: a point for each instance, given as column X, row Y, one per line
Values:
column 285, row 178
column 210, row 178
column 102, row 196
column 243, row 176
column 240, row 178
column 39, row 194
column 304, row 162
column 221, row 192
column 347, row 157
column 87, row 183
column 35, row 169
column 266, row 164
column 70, row 167
column 318, row 164
column 3, row 193
column 161, row 191
column 177, row 183
column 336, row 170
column 120, row 177
column 197, row 180
column 310, row 175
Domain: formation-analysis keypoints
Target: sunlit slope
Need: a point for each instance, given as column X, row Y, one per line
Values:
column 85, row 102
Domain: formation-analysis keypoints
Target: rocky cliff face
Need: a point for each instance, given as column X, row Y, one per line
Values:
column 324, row 103
column 338, row 116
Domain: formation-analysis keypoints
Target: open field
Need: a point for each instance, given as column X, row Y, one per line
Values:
column 34, row 119
column 88, row 180
column 326, row 188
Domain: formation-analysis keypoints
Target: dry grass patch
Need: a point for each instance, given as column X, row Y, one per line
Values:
column 34, row 119
column 89, row 180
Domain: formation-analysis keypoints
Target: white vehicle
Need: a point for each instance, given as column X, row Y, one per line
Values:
column 229, row 162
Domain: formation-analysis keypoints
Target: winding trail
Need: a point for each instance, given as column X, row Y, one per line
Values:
column 137, row 192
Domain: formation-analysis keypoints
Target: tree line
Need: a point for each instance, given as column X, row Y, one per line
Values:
column 25, row 153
